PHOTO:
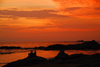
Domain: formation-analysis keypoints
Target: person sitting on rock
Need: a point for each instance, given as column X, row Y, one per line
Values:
column 32, row 54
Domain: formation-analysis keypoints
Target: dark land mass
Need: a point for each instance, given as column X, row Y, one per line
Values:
column 61, row 60
column 10, row 47
column 86, row 45
column 80, row 41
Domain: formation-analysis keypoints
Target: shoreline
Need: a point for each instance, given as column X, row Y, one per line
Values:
column 61, row 59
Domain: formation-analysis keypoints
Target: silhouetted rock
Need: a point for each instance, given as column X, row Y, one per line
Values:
column 94, row 64
column 61, row 55
column 85, row 60
column 30, row 60
column 10, row 47
column 80, row 41
column 40, row 47
column 75, row 56
column 87, row 45
column 31, row 54
column 93, row 42
column 59, row 59
column 55, row 47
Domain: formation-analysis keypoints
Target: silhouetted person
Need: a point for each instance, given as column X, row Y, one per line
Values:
column 32, row 54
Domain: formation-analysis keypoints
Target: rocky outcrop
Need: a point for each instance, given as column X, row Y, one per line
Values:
column 61, row 55
column 30, row 60
column 87, row 45
column 10, row 47
column 55, row 47
column 61, row 58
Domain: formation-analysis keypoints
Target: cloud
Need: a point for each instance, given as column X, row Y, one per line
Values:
column 4, row 25
column 80, row 7
column 41, row 27
column 83, row 11
column 9, row 16
column 35, row 14
column 77, row 23
column 0, row 20
column 77, row 3
column 8, row 27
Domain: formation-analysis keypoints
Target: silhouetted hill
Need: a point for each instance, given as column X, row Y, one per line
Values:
column 88, row 45
column 55, row 47
column 10, row 47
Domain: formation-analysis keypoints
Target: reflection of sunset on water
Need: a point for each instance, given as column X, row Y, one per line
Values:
column 42, row 53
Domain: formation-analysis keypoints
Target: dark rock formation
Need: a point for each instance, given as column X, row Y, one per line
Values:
column 10, row 47
column 32, row 54
column 88, row 45
column 30, row 60
column 60, row 58
column 55, row 47
column 80, row 41
column 75, row 56
column 80, row 59
column 61, row 55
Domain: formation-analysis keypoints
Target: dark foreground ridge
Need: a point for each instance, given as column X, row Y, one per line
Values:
column 30, row 60
column 62, row 60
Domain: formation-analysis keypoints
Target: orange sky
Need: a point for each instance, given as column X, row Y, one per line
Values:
column 49, row 20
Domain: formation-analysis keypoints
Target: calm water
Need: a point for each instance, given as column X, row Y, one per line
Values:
column 34, row 44
column 21, row 54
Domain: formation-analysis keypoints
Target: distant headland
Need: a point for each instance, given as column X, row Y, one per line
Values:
column 85, row 45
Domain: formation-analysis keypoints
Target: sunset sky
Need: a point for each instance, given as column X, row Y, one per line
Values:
column 49, row 20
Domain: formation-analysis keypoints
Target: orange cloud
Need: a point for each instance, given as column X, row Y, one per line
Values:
column 34, row 14
column 89, row 8
column 77, row 3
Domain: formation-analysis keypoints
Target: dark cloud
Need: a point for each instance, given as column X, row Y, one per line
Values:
column 97, row 8
column 72, row 8
column 41, row 27
column 7, row 27
column 0, row 20
column 83, row 11
column 35, row 14
column 9, row 16
column 4, row 25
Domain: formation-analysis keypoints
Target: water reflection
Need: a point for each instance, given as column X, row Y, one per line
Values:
column 7, row 58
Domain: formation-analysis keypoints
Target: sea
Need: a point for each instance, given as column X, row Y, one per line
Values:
column 10, row 55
